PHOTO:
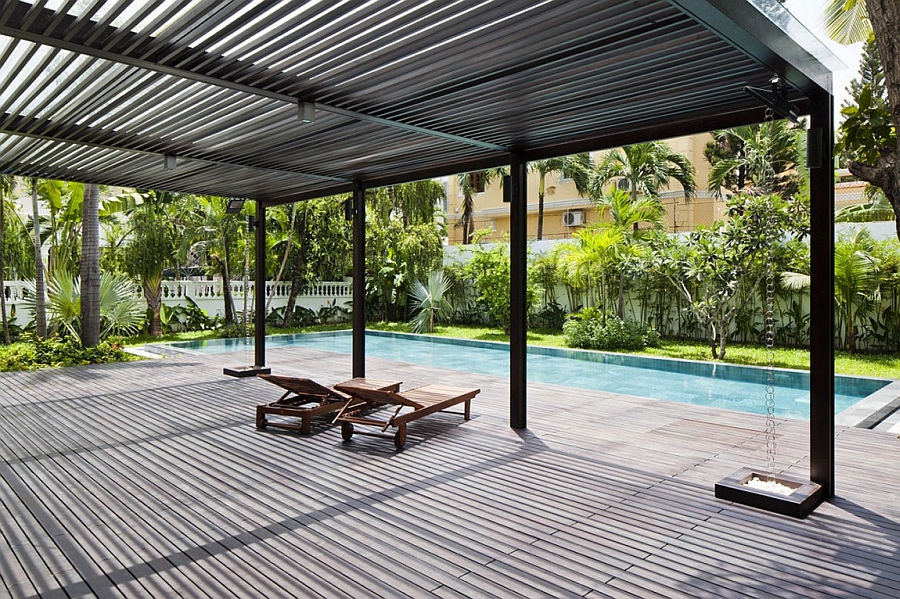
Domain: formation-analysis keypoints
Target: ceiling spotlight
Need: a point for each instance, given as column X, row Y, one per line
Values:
column 234, row 205
column 307, row 112
column 169, row 162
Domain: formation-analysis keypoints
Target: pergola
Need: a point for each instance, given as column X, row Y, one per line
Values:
column 286, row 101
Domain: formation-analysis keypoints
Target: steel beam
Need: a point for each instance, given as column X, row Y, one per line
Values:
column 359, row 279
column 518, row 273
column 260, row 286
column 821, row 325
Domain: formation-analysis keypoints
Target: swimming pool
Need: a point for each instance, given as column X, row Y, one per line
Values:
column 726, row 386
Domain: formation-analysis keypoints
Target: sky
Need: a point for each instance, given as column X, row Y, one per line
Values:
column 809, row 12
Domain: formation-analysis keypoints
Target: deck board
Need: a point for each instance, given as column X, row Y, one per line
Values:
column 149, row 480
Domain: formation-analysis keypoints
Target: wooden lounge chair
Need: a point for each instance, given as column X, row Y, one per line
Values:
column 420, row 401
column 305, row 398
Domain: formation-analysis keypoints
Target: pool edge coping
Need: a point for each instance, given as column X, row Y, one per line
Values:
column 866, row 413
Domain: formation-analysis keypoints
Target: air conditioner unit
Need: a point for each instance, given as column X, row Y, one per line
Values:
column 623, row 184
column 573, row 218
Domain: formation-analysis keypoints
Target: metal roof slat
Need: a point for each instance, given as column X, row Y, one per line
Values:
column 116, row 81
column 241, row 45
column 30, row 90
column 489, row 55
column 479, row 99
column 308, row 51
column 405, row 46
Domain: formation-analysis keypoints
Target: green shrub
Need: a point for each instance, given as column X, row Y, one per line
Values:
column 34, row 353
column 551, row 317
column 588, row 329
column 187, row 317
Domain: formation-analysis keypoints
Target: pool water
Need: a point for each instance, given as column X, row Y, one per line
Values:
column 726, row 386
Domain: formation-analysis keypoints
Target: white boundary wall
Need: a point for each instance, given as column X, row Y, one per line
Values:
column 208, row 295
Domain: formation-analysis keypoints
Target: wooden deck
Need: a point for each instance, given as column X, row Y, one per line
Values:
column 149, row 479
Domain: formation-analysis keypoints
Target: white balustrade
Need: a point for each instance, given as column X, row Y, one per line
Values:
column 208, row 295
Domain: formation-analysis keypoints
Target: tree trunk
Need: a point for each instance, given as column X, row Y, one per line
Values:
column 711, row 339
column 540, row 224
column 298, row 277
column 152, row 288
column 90, row 267
column 287, row 254
column 621, row 307
column 40, row 292
column 246, row 283
column 228, row 297
column 885, row 18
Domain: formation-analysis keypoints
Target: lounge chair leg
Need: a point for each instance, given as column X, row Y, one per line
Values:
column 260, row 420
column 346, row 430
column 466, row 414
column 305, row 420
column 400, row 436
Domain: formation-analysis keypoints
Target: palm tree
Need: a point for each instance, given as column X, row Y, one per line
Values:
column 471, row 184
column 429, row 298
column 214, row 234
column 90, row 267
column 626, row 215
column 855, row 279
column 647, row 168
column 40, row 291
column 757, row 158
column 576, row 167
column 589, row 259
column 7, row 185
column 847, row 21
column 150, row 249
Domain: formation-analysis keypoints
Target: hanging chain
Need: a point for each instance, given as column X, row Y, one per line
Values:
column 769, row 309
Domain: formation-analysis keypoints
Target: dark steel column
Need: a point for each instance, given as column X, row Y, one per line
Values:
column 260, row 285
column 359, row 280
column 821, row 324
column 518, row 272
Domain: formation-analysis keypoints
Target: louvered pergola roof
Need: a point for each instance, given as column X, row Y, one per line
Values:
column 100, row 91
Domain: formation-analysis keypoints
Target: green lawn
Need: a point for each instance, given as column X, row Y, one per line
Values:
column 874, row 365
column 858, row 364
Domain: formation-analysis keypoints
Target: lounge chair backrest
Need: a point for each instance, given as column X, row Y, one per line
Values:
column 383, row 397
column 302, row 386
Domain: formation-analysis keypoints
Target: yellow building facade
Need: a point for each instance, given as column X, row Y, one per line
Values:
column 566, row 212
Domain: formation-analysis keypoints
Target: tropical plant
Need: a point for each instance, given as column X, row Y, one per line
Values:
column 851, row 21
column 90, row 267
column 576, row 167
column 40, row 287
column 430, row 303
column 323, row 243
column 398, row 253
column 855, row 281
column 490, row 269
column 588, row 261
column 186, row 317
column 646, row 168
column 150, row 250
column 471, row 184
column 719, row 269
column 7, row 185
column 591, row 329
column 120, row 312
column 758, row 159
column 876, row 208
column 626, row 213
column 413, row 203
column 213, row 234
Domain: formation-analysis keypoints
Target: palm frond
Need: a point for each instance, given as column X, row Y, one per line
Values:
column 847, row 21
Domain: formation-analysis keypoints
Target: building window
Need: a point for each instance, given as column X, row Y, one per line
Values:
column 476, row 180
